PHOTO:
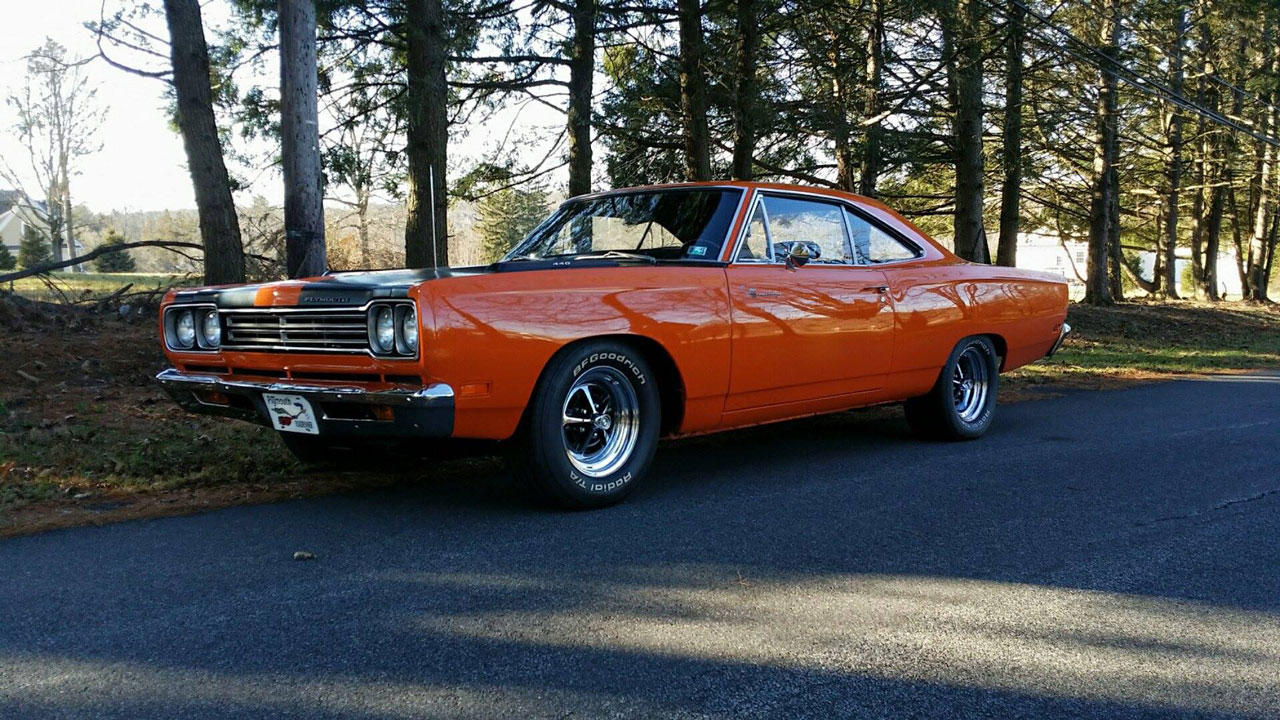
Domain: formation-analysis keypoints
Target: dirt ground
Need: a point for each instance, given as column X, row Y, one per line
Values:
column 87, row 437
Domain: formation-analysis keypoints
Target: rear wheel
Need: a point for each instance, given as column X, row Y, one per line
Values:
column 963, row 400
column 591, row 429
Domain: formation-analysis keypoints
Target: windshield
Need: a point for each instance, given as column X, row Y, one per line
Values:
column 676, row 224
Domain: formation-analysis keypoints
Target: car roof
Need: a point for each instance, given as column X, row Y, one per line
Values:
column 744, row 185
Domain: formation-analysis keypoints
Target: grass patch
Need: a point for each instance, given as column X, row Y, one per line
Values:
column 1151, row 340
column 64, row 286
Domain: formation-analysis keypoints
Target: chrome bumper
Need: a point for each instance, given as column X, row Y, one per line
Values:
column 1062, row 335
column 424, row 412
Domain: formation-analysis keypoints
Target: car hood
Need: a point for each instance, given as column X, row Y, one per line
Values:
column 342, row 289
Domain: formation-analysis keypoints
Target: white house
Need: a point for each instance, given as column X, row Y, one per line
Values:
column 14, row 218
column 11, row 223
column 1042, row 250
column 1228, row 275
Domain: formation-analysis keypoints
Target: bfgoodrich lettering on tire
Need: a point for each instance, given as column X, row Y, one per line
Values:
column 591, row 428
column 961, row 404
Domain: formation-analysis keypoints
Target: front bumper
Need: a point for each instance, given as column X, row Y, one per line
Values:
column 1062, row 336
column 340, row 409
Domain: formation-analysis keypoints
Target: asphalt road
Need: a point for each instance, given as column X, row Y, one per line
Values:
column 1106, row 554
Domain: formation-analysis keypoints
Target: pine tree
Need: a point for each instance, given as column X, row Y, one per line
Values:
column 116, row 262
column 34, row 249
column 7, row 260
column 506, row 216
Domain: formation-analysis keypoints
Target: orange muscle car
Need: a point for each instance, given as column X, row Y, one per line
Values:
column 624, row 317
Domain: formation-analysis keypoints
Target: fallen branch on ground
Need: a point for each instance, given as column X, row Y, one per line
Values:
column 96, row 252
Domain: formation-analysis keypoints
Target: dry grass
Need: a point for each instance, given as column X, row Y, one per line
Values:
column 63, row 287
column 94, row 440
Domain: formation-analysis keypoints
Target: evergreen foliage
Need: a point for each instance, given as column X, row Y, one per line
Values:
column 34, row 249
column 114, row 262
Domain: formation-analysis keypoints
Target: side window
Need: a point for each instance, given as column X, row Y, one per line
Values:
column 755, row 245
column 816, row 224
column 873, row 245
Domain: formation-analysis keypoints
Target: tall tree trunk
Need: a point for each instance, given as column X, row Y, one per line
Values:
column 362, row 217
column 1258, row 243
column 1011, row 189
column 219, row 227
column 1202, row 152
column 1175, row 158
column 53, row 216
column 1219, row 148
column 1098, row 289
column 869, row 173
column 1213, row 235
column 693, row 93
column 1113, row 242
column 67, row 218
column 426, row 240
column 744, row 91
column 1271, row 251
column 846, row 161
column 304, row 247
column 1237, row 236
column 581, row 67
column 1263, row 173
column 964, row 23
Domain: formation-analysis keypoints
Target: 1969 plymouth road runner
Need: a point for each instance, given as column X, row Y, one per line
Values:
column 624, row 317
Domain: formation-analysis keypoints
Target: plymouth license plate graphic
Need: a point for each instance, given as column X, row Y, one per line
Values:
column 291, row 413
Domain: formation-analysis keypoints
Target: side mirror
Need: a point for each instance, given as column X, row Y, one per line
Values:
column 796, row 254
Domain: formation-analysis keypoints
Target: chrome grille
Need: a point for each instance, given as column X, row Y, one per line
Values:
column 327, row 330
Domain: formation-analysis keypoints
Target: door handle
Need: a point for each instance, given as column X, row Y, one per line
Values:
column 882, row 289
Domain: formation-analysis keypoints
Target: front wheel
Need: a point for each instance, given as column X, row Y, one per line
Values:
column 963, row 400
column 591, row 428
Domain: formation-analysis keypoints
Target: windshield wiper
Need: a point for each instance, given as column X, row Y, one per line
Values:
column 620, row 255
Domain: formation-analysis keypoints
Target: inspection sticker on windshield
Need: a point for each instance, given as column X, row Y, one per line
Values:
column 697, row 250
column 291, row 413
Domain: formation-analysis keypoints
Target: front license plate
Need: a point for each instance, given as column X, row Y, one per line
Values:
column 291, row 413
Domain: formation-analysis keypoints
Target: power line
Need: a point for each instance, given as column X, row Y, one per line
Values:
column 1147, row 26
column 1125, row 74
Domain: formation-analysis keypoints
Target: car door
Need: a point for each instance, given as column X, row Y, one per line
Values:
column 804, row 333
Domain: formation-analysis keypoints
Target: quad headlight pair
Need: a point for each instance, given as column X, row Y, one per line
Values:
column 193, row 328
column 393, row 329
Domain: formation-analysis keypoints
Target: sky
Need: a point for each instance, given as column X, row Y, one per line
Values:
column 141, row 165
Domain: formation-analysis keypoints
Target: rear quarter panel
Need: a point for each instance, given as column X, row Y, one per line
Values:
column 936, row 305
column 490, row 336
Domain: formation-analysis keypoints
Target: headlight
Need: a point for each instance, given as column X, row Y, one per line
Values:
column 211, row 329
column 393, row 329
column 185, row 329
column 385, row 330
column 409, row 331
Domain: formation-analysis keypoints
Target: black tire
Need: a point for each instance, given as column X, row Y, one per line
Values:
column 948, row 412
column 544, row 455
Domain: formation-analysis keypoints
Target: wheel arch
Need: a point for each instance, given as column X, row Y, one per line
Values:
column 671, row 389
column 1001, row 345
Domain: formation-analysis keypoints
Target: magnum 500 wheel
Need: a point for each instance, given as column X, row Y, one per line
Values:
column 591, row 428
column 961, row 404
